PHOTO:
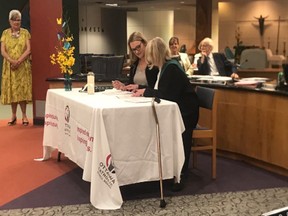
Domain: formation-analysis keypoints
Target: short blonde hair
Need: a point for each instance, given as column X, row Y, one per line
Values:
column 14, row 14
column 206, row 41
column 157, row 52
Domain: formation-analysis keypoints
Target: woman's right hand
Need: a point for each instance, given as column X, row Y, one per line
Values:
column 118, row 85
column 14, row 64
column 131, row 87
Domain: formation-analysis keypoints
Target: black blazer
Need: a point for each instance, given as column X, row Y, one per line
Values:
column 225, row 67
column 151, row 75
column 174, row 85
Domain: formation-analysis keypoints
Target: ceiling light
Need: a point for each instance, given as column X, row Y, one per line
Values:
column 112, row 5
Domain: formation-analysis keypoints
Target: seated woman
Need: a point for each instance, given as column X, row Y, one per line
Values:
column 214, row 64
column 172, row 84
column 138, row 70
column 181, row 57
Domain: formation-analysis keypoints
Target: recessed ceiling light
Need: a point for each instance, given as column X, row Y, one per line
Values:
column 112, row 5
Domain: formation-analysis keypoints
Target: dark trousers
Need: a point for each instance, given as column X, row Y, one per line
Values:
column 187, row 142
column 190, row 122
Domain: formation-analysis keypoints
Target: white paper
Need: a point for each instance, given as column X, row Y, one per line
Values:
column 138, row 99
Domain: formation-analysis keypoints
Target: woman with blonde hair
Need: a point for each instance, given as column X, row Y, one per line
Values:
column 138, row 68
column 172, row 84
column 16, row 86
column 181, row 57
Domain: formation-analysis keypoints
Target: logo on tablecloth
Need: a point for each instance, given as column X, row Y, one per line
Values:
column 109, row 164
column 67, row 114
column 67, row 128
column 106, row 171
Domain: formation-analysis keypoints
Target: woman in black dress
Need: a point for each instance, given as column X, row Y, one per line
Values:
column 172, row 84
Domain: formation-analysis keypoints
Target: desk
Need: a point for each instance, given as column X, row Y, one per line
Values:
column 252, row 126
column 112, row 140
column 271, row 73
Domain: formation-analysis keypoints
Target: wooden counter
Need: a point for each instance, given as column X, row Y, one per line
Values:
column 271, row 73
column 252, row 126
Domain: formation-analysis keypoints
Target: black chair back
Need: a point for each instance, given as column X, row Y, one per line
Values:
column 114, row 67
column 285, row 72
column 205, row 97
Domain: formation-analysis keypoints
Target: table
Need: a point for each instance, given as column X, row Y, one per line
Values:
column 112, row 137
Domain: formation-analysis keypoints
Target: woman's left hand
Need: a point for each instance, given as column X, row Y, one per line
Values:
column 234, row 76
column 15, row 64
column 132, row 87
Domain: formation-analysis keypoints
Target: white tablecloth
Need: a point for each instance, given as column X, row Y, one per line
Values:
column 112, row 137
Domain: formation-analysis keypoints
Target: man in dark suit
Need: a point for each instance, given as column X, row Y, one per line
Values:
column 214, row 64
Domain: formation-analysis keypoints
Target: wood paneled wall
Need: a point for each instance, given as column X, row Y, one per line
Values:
column 203, row 19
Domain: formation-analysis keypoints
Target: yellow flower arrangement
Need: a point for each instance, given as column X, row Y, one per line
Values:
column 64, row 55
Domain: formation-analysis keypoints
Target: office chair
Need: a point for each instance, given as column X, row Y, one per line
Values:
column 85, row 63
column 207, row 100
column 98, row 66
column 107, row 68
column 114, row 67
column 229, row 54
column 274, row 59
column 254, row 58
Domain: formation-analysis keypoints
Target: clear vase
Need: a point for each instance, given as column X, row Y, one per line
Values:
column 67, row 82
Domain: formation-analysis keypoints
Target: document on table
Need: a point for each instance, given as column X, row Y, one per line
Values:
column 127, row 96
column 116, row 92
column 138, row 99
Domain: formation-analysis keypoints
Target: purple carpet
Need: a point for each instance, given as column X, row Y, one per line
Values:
column 232, row 176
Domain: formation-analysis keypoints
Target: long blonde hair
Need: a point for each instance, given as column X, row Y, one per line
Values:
column 135, row 36
column 157, row 52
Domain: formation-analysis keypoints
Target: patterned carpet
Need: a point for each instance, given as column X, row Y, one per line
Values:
column 246, row 203
column 69, row 195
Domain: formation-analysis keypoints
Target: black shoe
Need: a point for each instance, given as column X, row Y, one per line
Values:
column 176, row 187
column 25, row 123
column 13, row 122
column 184, row 176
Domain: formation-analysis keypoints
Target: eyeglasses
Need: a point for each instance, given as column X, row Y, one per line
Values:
column 204, row 45
column 137, row 48
column 16, row 20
